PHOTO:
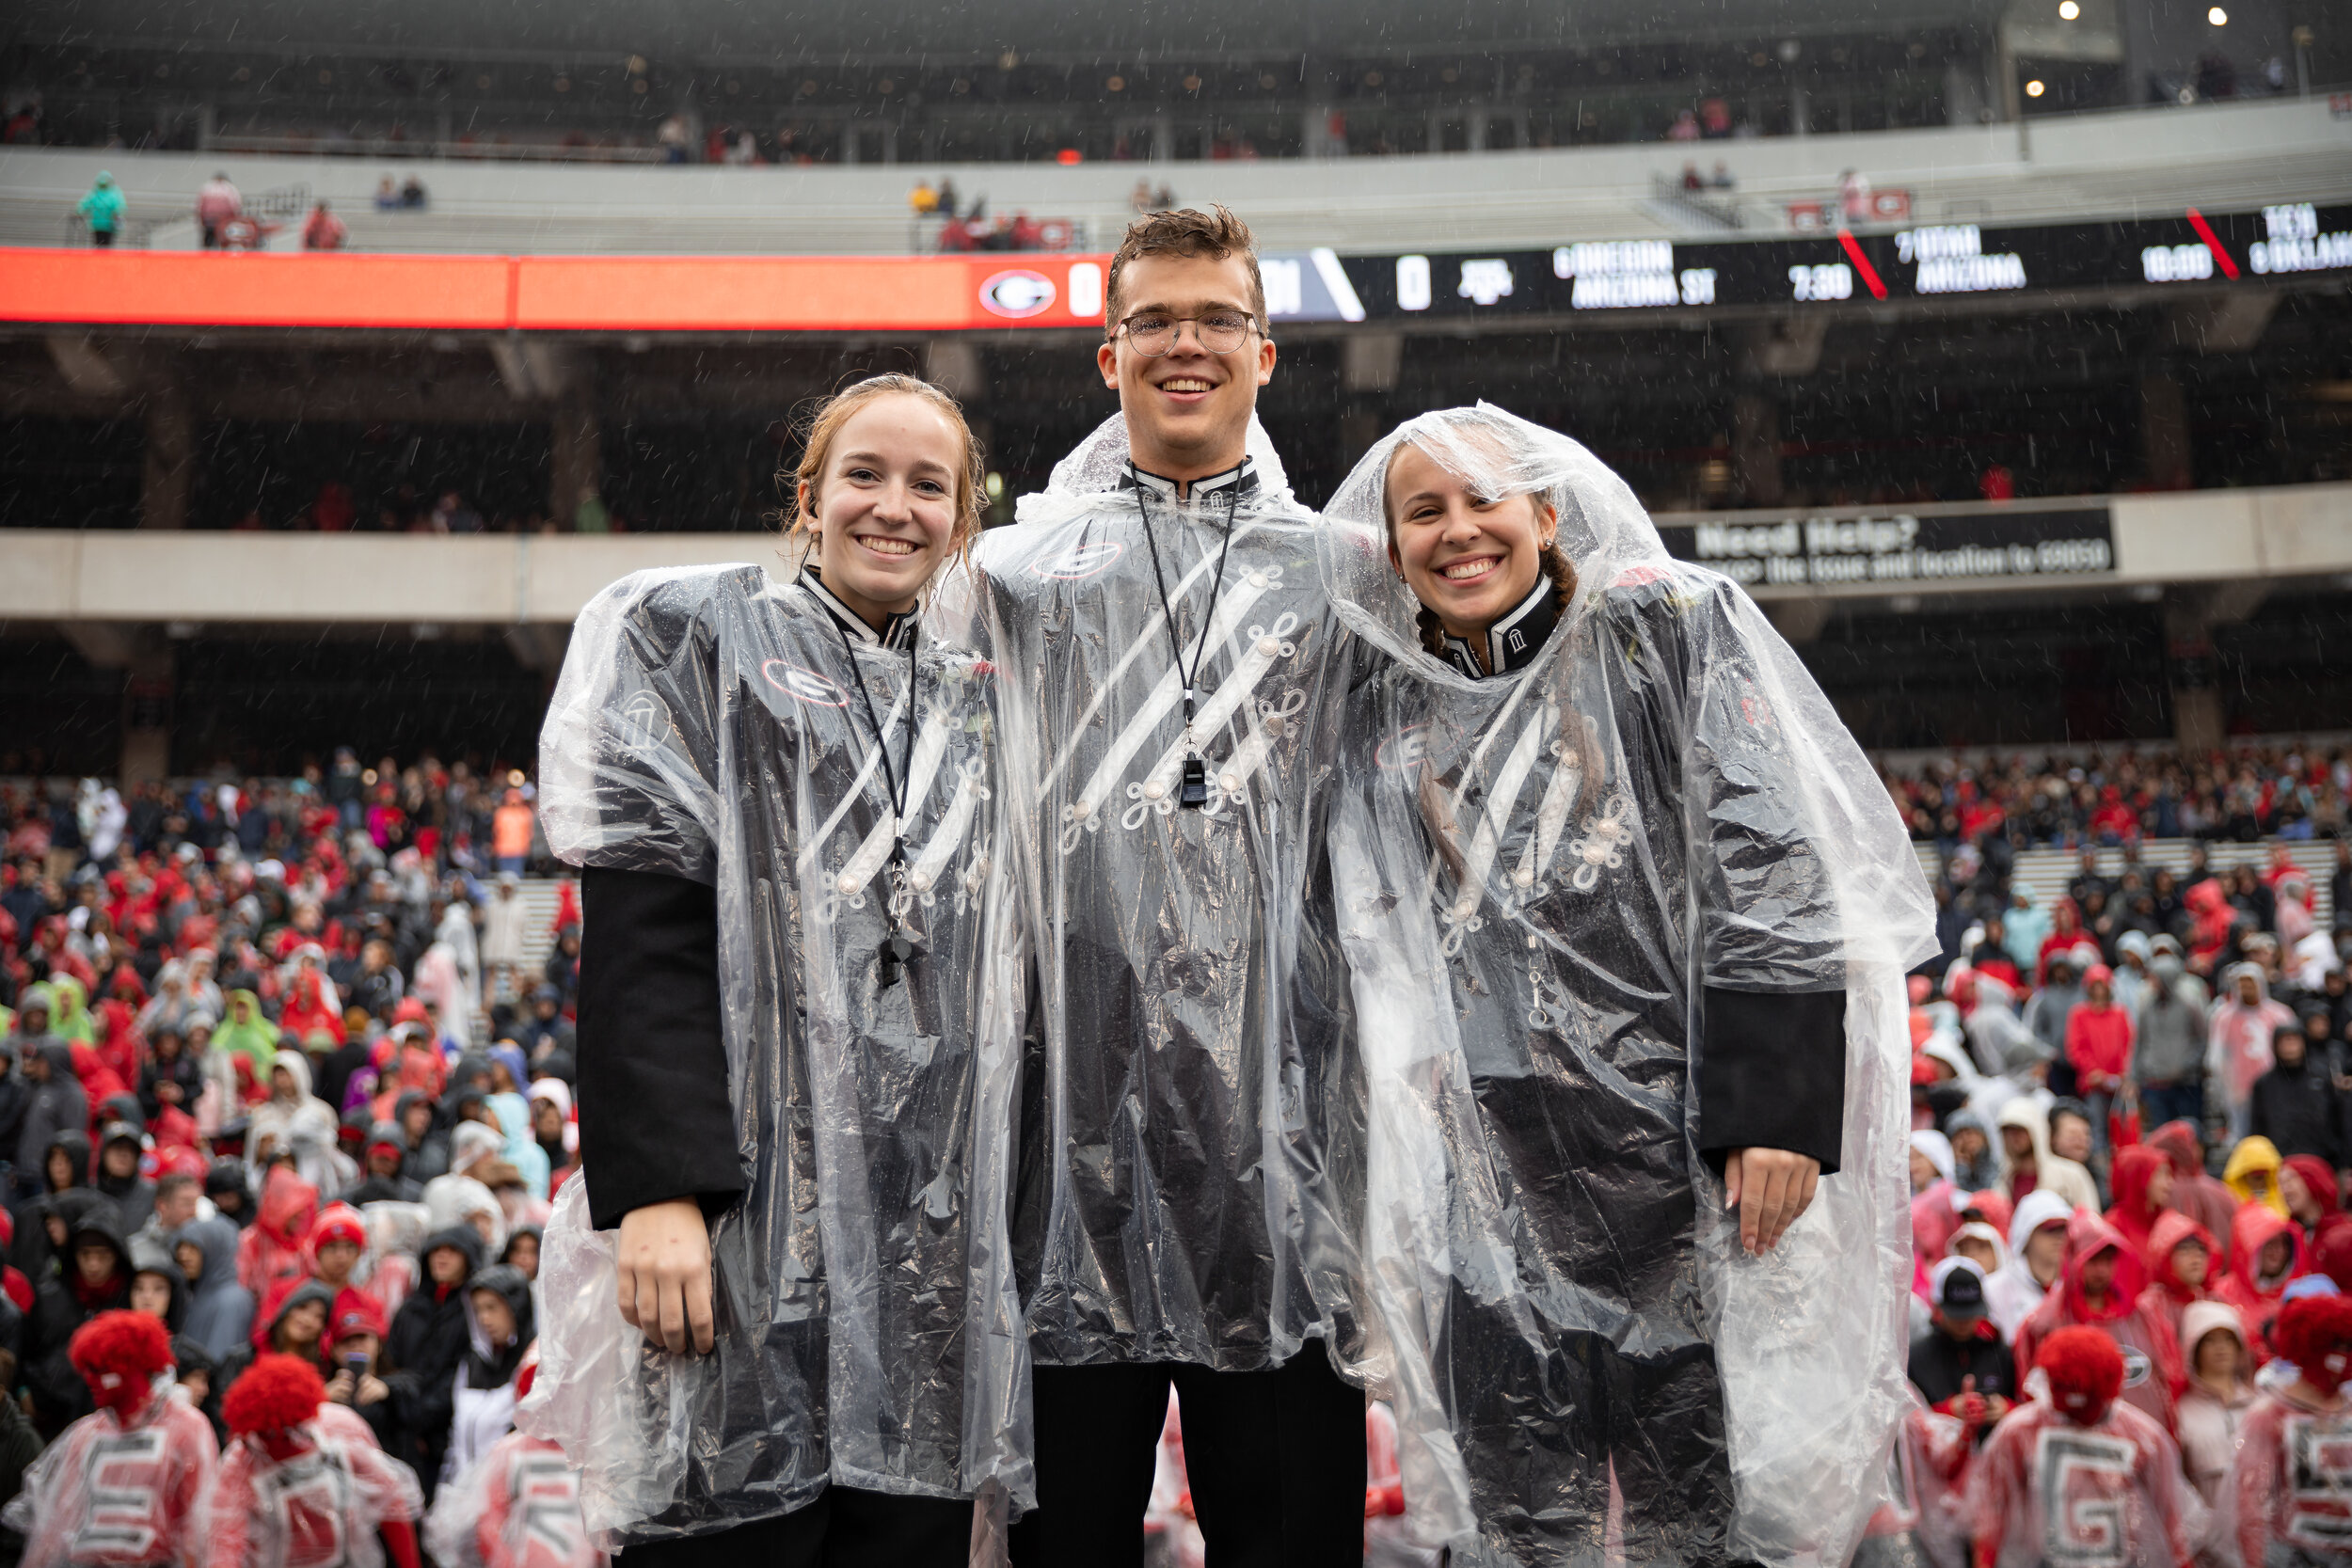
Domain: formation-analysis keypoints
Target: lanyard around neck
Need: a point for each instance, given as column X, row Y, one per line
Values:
column 1195, row 792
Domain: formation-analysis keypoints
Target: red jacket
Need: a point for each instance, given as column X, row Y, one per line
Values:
column 2099, row 1043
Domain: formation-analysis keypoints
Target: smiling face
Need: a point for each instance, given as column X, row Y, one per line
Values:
column 883, row 506
column 1188, row 409
column 1470, row 558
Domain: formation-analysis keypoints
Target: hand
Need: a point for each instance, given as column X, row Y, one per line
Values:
column 1997, row 1409
column 339, row 1388
column 168, row 1092
column 1769, row 1187
column 665, row 1275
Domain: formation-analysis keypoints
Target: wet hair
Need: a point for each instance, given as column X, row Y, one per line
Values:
column 1191, row 233
column 818, row 425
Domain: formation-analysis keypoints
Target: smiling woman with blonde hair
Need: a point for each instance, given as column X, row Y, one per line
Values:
column 794, row 1087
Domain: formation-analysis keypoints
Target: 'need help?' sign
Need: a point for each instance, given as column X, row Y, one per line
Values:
column 1900, row 549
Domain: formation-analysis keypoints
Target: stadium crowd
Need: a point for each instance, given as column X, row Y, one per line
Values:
column 2253, row 791
column 277, row 1076
column 2132, row 1118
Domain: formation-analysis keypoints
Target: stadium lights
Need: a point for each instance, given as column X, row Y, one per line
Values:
column 2035, row 88
column 2068, row 11
column 2218, row 16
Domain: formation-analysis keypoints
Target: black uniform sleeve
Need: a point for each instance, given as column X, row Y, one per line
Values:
column 655, row 1120
column 1772, row 1074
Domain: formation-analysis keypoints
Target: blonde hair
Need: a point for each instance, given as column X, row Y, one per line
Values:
column 822, row 422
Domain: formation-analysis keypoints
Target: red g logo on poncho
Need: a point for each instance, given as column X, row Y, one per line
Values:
column 2087, row 1486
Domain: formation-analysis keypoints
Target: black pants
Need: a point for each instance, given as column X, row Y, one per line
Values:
column 102, row 238
column 843, row 1528
column 1275, row 1460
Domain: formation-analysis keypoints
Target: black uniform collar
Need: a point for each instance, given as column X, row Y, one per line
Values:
column 898, row 633
column 1228, row 487
column 1514, row 641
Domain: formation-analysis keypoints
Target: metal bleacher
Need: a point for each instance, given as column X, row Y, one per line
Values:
column 2228, row 157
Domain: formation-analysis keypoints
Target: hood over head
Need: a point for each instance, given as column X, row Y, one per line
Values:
column 2255, row 1228
column 2088, row 1235
column 2200, row 1318
column 2034, row 1210
column 464, row 1238
column 289, row 1206
column 2255, row 1157
column 77, row 1152
column 2182, row 1145
column 2171, row 1228
column 217, row 1239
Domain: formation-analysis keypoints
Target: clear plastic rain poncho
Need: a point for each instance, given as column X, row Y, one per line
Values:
column 1538, row 876
column 518, row 1507
column 708, row 725
column 1195, row 1095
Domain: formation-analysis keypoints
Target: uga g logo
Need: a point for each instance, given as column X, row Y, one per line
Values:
column 803, row 686
column 1017, row 293
column 2087, row 1489
column 1405, row 749
column 1079, row 561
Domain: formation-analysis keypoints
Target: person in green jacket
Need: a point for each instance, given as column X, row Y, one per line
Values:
column 102, row 210
column 247, row 1033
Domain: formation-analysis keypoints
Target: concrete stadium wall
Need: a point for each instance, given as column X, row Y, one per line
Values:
column 59, row 576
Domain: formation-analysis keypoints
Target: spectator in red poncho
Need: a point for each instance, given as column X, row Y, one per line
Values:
column 2143, row 1185
column 2266, row 1251
column 99, row 1083
column 2180, row 1258
column 272, row 1250
column 2103, row 1287
column 2204, row 1199
column 2211, row 920
column 311, row 1005
column 2308, row 1183
column 2066, row 929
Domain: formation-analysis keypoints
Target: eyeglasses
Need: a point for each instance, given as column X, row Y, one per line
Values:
column 1219, row 332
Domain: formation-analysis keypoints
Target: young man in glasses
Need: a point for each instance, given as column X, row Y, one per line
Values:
column 1168, row 699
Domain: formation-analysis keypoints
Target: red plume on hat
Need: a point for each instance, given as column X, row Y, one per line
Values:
column 118, row 1355
column 275, row 1393
column 2314, row 1331
column 2086, row 1371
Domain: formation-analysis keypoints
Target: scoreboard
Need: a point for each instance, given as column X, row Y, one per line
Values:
column 1925, row 261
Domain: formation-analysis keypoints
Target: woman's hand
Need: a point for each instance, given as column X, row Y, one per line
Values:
column 1769, row 1187
column 665, row 1275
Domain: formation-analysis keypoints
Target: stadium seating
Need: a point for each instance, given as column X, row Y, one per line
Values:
column 2224, row 156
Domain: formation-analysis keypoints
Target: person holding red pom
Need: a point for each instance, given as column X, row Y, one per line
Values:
column 121, row 1487
column 2291, row 1491
column 299, row 1489
column 2085, row 1479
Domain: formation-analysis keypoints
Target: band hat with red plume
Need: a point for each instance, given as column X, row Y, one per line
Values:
column 2315, row 1333
column 2086, row 1371
column 118, row 1348
column 276, row 1392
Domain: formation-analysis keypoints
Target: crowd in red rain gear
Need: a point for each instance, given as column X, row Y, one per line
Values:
column 2132, row 1119
column 271, row 1254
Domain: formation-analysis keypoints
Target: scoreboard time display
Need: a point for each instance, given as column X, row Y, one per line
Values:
column 1923, row 262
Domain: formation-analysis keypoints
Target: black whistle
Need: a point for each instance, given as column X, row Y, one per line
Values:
column 895, row 951
column 1194, row 790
